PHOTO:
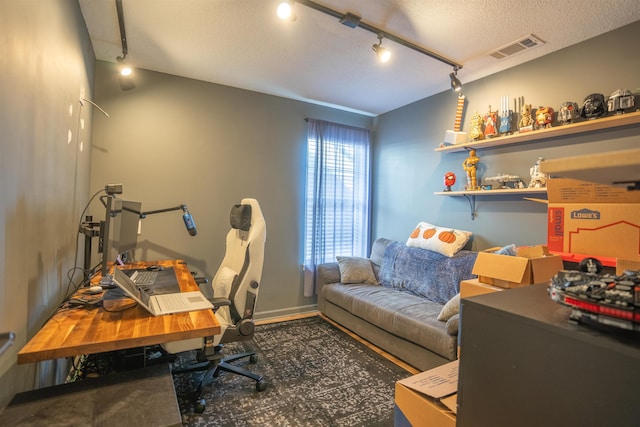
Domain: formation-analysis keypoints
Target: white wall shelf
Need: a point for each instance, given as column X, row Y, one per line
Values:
column 471, row 195
column 610, row 122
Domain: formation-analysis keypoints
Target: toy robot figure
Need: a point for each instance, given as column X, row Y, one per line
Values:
column 620, row 100
column 538, row 179
column 490, row 123
column 568, row 112
column 449, row 180
column 475, row 131
column 544, row 117
column 526, row 121
column 470, row 166
column 594, row 106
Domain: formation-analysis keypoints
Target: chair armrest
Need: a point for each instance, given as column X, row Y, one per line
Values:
column 220, row 302
column 199, row 280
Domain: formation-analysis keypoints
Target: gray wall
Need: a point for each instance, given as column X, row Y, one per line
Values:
column 407, row 170
column 173, row 140
column 46, row 62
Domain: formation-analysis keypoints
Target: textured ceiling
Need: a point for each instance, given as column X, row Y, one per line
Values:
column 242, row 43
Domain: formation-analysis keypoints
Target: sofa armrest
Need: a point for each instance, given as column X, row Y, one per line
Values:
column 327, row 273
column 453, row 324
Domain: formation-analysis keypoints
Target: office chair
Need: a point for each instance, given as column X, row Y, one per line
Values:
column 235, row 290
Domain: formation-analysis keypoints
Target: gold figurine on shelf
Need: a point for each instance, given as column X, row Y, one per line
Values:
column 470, row 166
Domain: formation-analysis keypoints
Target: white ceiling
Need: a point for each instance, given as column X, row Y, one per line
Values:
column 243, row 44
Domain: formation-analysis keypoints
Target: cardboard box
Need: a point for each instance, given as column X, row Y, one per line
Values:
column 533, row 264
column 473, row 287
column 593, row 219
column 419, row 398
column 624, row 264
column 419, row 410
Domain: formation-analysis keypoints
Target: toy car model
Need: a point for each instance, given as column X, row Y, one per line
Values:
column 620, row 100
column 602, row 298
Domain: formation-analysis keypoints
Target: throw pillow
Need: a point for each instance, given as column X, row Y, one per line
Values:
column 446, row 241
column 451, row 308
column 356, row 270
column 222, row 282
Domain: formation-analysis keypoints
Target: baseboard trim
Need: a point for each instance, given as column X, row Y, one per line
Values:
column 278, row 315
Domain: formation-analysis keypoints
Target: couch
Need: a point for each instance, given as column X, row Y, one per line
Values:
column 395, row 298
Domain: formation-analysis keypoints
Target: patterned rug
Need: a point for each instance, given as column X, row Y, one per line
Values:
column 316, row 374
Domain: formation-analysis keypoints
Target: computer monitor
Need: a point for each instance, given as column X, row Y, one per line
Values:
column 118, row 231
column 129, row 222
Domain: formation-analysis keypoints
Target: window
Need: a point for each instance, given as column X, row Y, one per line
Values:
column 337, row 193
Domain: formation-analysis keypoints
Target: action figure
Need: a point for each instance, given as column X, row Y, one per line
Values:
column 470, row 166
column 475, row 131
column 505, row 116
column 538, row 179
column 544, row 117
column 490, row 122
column 449, row 180
column 526, row 121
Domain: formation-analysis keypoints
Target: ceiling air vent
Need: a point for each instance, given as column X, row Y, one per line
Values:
column 527, row 42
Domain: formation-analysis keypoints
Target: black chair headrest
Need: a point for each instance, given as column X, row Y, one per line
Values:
column 241, row 217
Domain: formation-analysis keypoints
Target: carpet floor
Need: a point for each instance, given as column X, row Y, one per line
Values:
column 316, row 374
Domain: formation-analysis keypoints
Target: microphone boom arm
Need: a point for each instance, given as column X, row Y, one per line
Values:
column 186, row 217
column 145, row 214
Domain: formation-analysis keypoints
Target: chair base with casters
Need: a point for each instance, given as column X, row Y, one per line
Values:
column 215, row 364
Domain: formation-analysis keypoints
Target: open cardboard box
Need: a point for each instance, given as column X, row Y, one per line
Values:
column 428, row 398
column 532, row 264
column 593, row 219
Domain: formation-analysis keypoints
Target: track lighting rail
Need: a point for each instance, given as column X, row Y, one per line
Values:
column 353, row 21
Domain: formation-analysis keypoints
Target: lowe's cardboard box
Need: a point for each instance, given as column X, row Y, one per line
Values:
column 532, row 264
column 593, row 219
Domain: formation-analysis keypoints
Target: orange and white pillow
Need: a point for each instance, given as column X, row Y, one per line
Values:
column 446, row 241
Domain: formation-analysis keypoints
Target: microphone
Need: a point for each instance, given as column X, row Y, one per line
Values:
column 188, row 221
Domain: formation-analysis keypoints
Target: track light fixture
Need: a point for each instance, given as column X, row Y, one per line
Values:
column 383, row 53
column 353, row 21
column 456, row 85
column 125, row 71
column 285, row 11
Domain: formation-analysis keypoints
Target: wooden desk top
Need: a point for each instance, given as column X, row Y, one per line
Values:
column 81, row 330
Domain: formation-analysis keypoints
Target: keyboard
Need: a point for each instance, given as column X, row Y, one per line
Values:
column 145, row 277
column 171, row 302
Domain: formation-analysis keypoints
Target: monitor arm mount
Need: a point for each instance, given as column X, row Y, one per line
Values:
column 91, row 229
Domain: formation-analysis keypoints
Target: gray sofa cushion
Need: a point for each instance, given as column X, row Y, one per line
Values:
column 400, row 313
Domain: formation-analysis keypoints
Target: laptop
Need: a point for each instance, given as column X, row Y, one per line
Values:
column 159, row 305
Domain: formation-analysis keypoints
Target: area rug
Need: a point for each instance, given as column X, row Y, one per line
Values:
column 316, row 374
